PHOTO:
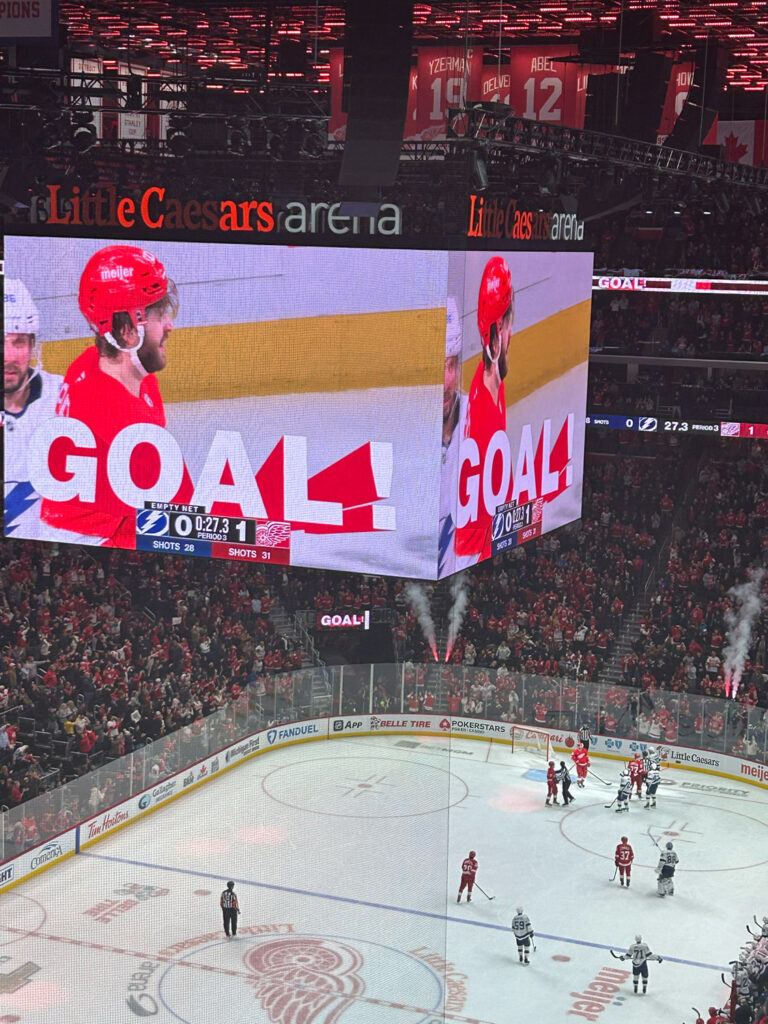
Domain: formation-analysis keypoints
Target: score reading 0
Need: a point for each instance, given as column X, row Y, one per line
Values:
column 192, row 530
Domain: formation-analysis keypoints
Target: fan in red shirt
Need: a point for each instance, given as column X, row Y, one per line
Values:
column 623, row 859
column 486, row 412
column 551, row 783
column 130, row 304
column 468, row 872
column 580, row 758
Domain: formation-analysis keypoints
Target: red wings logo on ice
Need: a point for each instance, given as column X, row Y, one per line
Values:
column 273, row 535
column 305, row 981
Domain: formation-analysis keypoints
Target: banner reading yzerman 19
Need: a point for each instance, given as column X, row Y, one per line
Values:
column 271, row 404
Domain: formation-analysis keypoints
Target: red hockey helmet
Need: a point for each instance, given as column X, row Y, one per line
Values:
column 471, row 853
column 122, row 279
column 495, row 298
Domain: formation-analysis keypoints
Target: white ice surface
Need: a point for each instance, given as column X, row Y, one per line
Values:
column 346, row 861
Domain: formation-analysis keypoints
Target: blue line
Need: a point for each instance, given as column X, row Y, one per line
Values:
column 384, row 906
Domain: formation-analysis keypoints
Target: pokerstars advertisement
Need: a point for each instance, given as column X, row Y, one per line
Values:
column 266, row 403
column 514, row 402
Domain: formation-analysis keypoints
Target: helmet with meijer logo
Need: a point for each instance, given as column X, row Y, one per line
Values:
column 122, row 279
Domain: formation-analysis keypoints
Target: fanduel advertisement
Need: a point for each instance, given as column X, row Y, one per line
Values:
column 299, row 406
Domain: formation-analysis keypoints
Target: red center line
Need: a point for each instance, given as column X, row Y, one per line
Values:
column 248, row 976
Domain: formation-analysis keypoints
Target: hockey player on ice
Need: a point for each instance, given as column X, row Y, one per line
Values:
column 523, row 932
column 551, row 783
column 625, row 789
column 650, row 756
column 652, row 780
column 468, row 872
column 580, row 758
column 665, row 871
column 639, row 953
column 623, row 859
column 635, row 769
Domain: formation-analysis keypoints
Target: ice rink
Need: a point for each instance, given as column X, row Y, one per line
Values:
column 346, row 859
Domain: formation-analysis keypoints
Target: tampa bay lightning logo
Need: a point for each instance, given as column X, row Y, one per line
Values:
column 271, row 735
column 151, row 523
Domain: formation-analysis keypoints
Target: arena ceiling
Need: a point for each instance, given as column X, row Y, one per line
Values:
column 192, row 34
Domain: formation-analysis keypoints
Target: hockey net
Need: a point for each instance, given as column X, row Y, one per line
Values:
column 532, row 741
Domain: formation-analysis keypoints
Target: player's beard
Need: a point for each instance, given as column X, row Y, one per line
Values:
column 22, row 379
column 152, row 356
column 503, row 361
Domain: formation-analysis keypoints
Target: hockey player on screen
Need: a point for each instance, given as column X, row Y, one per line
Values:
column 625, row 789
column 523, row 932
column 453, row 405
column 652, row 780
column 468, row 872
column 551, row 783
column 130, row 304
column 639, row 953
column 665, row 871
column 580, row 758
column 486, row 411
column 635, row 768
column 30, row 397
column 623, row 859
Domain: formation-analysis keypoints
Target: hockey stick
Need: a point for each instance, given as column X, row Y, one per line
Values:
column 606, row 806
column 653, row 840
column 615, row 870
column 593, row 772
column 484, row 892
column 754, row 936
column 616, row 955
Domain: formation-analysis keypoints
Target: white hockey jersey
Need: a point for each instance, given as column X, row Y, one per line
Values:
column 625, row 785
column 638, row 953
column 22, row 503
column 653, row 778
column 667, row 861
column 521, row 926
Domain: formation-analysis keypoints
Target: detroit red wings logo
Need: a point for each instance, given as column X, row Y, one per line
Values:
column 305, row 980
column 273, row 534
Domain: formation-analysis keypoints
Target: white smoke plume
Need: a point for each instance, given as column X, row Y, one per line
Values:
column 460, row 595
column 747, row 602
column 419, row 602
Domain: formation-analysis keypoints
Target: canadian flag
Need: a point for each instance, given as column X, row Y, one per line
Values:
column 738, row 138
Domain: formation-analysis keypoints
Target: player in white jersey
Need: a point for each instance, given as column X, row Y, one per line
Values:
column 523, row 932
column 639, row 953
column 665, row 871
column 625, row 788
column 30, row 397
column 652, row 780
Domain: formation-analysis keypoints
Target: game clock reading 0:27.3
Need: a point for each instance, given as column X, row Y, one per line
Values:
column 192, row 530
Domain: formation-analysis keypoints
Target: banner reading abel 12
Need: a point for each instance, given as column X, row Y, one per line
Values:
column 514, row 401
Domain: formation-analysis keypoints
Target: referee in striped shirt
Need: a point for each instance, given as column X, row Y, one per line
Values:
column 230, row 909
column 585, row 735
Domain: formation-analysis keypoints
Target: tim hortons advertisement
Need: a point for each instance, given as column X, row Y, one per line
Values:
column 514, row 400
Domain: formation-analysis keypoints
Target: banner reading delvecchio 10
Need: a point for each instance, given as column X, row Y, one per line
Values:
column 514, row 400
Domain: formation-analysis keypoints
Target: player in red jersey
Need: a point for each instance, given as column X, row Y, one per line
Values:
column 468, row 872
column 580, row 758
column 551, row 783
column 486, row 412
column 636, row 775
column 130, row 304
column 623, row 859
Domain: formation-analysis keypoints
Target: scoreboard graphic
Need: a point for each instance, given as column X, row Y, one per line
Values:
column 190, row 530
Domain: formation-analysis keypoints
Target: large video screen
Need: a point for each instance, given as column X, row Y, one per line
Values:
column 304, row 406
